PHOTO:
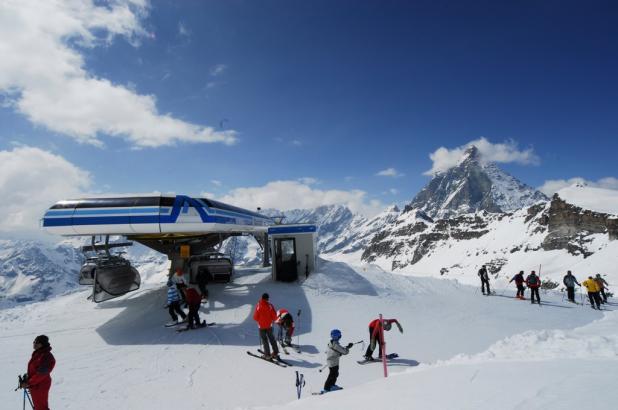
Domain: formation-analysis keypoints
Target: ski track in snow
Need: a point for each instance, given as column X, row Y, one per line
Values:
column 473, row 348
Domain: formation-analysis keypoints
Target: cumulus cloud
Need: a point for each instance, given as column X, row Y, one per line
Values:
column 285, row 195
column 33, row 180
column 507, row 151
column 389, row 172
column 44, row 77
column 552, row 186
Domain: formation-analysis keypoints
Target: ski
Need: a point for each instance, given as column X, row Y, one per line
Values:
column 388, row 357
column 326, row 391
column 203, row 325
column 275, row 362
column 279, row 360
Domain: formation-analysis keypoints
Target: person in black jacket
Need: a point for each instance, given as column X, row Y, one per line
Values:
column 484, row 279
column 570, row 281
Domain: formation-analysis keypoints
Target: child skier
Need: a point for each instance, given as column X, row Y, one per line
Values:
column 194, row 300
column 286, row 326
column 335, row 351
column 173, row 304
column 374, row 335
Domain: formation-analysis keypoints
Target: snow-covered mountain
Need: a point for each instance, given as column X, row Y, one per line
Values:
column 556, row 235
column 32, row 271
column 471, row 186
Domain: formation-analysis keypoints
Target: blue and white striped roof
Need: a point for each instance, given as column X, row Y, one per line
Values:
column 151, row 214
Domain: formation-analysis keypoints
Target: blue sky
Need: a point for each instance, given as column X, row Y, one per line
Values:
column 226, row 97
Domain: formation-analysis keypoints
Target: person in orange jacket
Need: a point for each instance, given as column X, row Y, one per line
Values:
column 40, row 366
column 265, row 314
column 374, row 335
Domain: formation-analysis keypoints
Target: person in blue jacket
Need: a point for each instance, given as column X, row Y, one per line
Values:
column 173, row 304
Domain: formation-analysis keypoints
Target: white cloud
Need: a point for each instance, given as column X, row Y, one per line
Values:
column 34, row 180
column 507, row 151
column 215, row 182
column 285, row 195
column 308, row 180
column 183, row 31
column 390, row 172
column 218, row 70
column 46, row 81
column 552, row 186
column 393, row 191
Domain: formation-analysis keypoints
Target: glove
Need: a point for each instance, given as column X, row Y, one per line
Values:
column 349, row 346
column 400, row 328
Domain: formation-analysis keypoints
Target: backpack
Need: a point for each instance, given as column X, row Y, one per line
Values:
column 533, row 280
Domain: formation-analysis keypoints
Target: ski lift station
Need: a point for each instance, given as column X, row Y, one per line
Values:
column 189, row 231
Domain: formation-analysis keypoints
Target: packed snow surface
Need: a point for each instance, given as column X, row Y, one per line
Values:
column 459, row 349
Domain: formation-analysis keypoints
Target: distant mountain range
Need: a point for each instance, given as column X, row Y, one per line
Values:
column 469, row 215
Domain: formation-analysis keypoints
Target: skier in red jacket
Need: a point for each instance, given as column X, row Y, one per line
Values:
column 265, row 314
column 194, row 301
column 534, row 283
column 40, row 366
column 374, row 335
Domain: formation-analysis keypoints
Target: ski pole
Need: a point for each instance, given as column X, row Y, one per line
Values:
column 298, row 334
column 323, row 367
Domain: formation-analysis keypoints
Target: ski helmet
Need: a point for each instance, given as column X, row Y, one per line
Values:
column 335, row 334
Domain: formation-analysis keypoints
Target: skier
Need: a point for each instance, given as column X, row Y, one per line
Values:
column 519, row 282
column 202, row 280
column 374, row 335
column 181, row 284
column 534, row 283
column 601, row 284
column 593, row 292
column 484, row 279
column 173, row 303
column 335, row 351
column 39, row 372
column 286, row 326
column 570, row 281
column 265, row 315
column 194, row 300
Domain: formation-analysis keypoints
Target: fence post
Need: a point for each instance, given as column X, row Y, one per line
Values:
column 383, row 345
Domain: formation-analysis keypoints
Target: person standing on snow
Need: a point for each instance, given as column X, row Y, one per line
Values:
column 334, row 352
column 593, row 292
column 40, row 366
column 173, row 303
column 570, row 281
column 194, row 300
column 534, row 283
column 374, row 335
column 484, row 279
column 181, row 284
column 519, row 282
column 286, row 326
column 601, row 283
column 265, row 315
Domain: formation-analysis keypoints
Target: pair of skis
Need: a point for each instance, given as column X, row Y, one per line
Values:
column 279, row 362
column 200, row 326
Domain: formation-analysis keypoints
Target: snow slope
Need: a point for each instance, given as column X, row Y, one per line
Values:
column 595, row 199
column 473, row 348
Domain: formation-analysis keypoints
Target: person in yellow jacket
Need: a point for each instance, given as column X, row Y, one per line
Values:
column 593, row 292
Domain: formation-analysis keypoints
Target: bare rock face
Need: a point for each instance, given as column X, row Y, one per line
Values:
column 569, row 226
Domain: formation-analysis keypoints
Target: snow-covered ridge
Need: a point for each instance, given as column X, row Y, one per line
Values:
column 594, row 199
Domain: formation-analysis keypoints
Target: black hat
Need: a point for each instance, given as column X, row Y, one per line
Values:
column 265, row 296
column 42, row 339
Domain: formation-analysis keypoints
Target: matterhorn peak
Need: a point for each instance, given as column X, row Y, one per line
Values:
column 473, row 185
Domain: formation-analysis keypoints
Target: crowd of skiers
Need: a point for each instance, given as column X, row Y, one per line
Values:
column 595, row 286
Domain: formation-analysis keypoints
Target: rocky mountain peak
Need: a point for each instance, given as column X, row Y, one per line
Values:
column 470, row 186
